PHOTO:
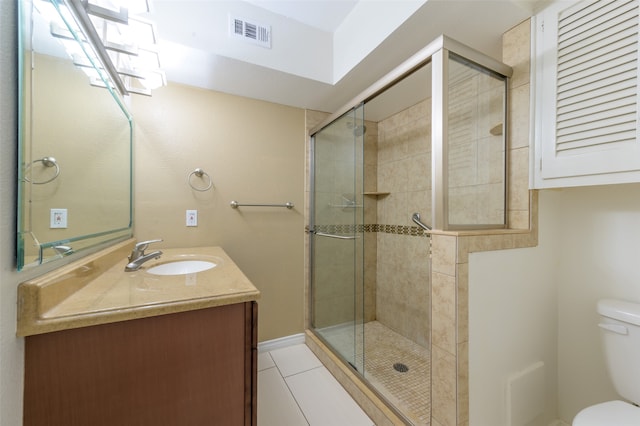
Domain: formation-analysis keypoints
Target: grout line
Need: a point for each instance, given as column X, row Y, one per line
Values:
column 276, row 365
column 284, row 379
column 302, row 372
column 293, row 374
column 272, row 361
column 293, row 395
column 267, row 369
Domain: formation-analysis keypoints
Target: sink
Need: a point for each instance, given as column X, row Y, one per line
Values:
column 182, row 267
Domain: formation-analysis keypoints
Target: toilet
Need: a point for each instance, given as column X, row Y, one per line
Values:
column 620, row 324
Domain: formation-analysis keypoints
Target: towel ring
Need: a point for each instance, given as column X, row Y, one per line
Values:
column 47, row 162
column 200, row 173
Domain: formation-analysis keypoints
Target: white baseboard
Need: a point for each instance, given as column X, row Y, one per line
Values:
column 282, row 342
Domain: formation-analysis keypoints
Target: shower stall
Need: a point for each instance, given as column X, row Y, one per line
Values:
column 421, row 151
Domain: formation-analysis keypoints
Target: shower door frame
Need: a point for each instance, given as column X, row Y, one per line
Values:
column 436, row 53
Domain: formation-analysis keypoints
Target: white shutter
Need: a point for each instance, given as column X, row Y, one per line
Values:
column 587, row 107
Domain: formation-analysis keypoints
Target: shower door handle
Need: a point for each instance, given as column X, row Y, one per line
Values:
column 340, row 237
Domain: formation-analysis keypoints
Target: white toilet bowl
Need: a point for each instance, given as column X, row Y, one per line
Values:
column 620, row 325
column 612, row 413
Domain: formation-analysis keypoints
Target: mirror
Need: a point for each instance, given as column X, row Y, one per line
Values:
column 75, row 143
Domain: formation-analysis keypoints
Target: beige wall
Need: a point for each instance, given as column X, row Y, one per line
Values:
column 254, row 152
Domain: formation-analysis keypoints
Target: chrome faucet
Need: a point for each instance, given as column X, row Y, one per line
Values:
column 138, row 256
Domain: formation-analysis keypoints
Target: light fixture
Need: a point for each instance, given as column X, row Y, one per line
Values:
column 123, row 47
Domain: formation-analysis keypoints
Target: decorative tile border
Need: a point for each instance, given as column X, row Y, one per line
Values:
column 412, row 231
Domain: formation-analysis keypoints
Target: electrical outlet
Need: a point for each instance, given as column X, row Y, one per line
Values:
column 58, row 218
column 192, row 217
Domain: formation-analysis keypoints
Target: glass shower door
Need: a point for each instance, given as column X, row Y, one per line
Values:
column 337, row 230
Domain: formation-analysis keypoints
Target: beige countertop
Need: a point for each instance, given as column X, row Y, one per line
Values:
column 96, row 290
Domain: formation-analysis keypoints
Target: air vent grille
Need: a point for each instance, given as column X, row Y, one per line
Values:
column 249, row 31
column 597, row 82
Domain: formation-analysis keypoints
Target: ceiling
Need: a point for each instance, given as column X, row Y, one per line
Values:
column 326, row 15
column 323, row 52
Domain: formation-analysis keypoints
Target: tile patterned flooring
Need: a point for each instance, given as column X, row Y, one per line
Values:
column 410, row 391
column 295, row 389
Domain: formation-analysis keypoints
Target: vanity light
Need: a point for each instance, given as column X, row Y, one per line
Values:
column 123, row 46
column 133, row 7
column 130, row 41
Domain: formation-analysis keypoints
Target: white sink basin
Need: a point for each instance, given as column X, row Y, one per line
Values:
column 182, row 267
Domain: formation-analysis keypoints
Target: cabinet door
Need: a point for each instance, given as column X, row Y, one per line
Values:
column 182, row 369
column 587, row 93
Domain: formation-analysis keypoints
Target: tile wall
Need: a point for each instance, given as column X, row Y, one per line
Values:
column 404, row 170
column 476, row 151
column 370, row 217
column 516, row 53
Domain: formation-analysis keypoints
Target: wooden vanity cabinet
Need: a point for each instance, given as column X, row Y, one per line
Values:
column 190, row 368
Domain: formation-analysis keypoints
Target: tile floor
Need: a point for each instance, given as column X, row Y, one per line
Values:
column 295, row 389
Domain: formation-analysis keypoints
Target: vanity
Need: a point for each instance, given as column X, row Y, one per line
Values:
column 167, row 346
column 105, row 347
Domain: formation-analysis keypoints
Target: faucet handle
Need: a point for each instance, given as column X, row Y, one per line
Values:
column 140, row 247
column 143, row 245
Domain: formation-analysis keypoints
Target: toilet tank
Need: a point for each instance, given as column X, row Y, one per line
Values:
column 620, row 324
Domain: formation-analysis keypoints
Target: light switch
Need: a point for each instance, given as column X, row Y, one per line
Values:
column 192, row 217
column 58, row 218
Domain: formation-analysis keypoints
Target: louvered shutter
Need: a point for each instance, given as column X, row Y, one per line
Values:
column 588, row 105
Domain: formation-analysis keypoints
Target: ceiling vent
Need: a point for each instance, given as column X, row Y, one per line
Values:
column 252, row 32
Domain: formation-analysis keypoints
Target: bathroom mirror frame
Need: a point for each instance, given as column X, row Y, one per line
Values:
column 90, row 175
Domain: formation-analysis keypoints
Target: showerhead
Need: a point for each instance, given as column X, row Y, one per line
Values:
column 359, row 130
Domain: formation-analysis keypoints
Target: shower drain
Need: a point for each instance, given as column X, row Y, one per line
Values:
column 400, row 367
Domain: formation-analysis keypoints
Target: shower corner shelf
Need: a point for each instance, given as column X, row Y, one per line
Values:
column 376, row 193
